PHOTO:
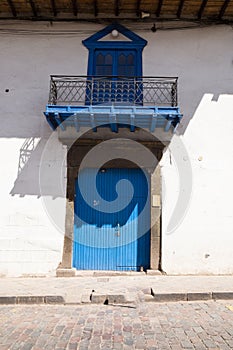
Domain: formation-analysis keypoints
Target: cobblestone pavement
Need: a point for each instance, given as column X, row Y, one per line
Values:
column 187, row 325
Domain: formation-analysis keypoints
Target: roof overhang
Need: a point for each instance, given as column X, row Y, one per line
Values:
column 56, row 10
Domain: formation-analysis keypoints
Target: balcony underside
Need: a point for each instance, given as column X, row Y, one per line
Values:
column 114, row 117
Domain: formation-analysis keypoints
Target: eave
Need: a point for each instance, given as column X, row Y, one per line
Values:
column 110, row 10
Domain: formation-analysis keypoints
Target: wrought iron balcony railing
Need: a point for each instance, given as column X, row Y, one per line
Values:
column 114, row 90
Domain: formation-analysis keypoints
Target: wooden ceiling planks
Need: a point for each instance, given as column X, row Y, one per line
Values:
column 213, row 8
column 75, row 7
column 109, row 7
column 180, row 9
column 54, row 8
column 8, row 7
column 229, row 11
column 226, row 8
column 88, row 7
column 149, row 6
column 169, row 8
column 138, row 11
column 128, row 6
column 33, row 7
column 63, row 7
column 159, row 8
column 202, row 9
column 131, row 9
column 191, row 8
column 117, row 7
column 23, row 8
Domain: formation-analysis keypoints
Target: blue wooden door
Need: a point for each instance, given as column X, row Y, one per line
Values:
column 118, row 240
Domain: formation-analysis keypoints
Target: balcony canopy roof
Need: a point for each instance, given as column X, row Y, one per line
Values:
column 116, row 9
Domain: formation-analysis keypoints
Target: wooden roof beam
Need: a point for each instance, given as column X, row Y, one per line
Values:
column 223, row 9
column 75, row 7
column 33, row 7
column 54, row 9
column 180, row 8
column 158, row 11
column 12, row 7
column 138, row 10
column 95, row 8
column 202, row 8
column 117, row 7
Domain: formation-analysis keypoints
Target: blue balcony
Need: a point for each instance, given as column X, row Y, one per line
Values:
column 113, row 101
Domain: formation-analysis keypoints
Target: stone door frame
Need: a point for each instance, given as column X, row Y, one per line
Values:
column 74, row 157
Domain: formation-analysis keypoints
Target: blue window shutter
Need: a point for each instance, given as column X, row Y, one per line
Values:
column 135, row 43
column 114, row 58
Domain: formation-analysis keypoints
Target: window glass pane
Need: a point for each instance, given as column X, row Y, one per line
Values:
column 122, row 59
column 130, row 59
column 108, row 59
column 100, row 59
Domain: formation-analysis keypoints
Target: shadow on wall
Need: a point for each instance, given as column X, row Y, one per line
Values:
column 27, row 181
column 41, row 168
column 35, row 169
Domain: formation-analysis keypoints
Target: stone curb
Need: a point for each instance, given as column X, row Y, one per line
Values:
column 192, row 296
column 222, row 295
column 98, row 298
column 116, row 298
column 32, row 299
column 59, row 299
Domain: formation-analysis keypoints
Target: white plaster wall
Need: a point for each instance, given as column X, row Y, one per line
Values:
column 201, row 240
column 31, row 235
column 30, row 243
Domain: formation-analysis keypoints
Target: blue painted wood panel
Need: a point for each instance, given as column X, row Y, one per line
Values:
column 118, row 240
column 109, row 64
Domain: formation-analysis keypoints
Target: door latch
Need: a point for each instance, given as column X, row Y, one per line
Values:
column 118, row 230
